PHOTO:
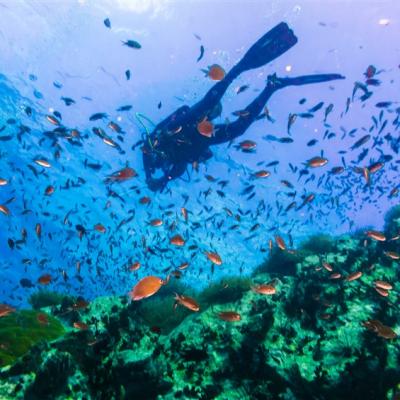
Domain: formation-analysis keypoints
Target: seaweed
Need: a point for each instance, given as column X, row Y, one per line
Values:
column 227, row 290
column 22, row 330
column 45, row 298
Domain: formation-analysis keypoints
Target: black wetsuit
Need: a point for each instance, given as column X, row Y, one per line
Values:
column 176, row 141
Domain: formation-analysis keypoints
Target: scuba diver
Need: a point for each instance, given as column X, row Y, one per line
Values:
column 185, row 136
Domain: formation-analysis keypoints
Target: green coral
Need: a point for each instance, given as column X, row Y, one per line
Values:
column 21, row 330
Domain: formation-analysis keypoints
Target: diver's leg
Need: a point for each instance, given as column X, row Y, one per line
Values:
column 227, row 132
column 273, row 44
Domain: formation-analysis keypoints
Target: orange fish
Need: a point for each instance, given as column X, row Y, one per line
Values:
column 264, row 289
column 145, row 200
column 156, row 222
column 262, row 174
column 49, row 190
column 80, row 304
column 100, row 228
column 146, row 287
column 183, row 266
column 43, row 163
column 184, row 213
column 353, row 276
column 38, row 230
column 383, row 285
column 52, row 120
column 375, row 167
column 381, row 291
column 366, row 175
column 392, row 254
column 122, row 175
column 4, row 209
column 280, row 243
column 135, row 266
column 5, row 310
column 214, row 257
column 42, row 319
column 229, row 316
column 205, row 128
column 3, row 182
column 327, row 266
column 81, row 326
column 335, row 275
column 317, row 162
column 187, row 302
column 379, row 236
column 215, row 72
column 380, row 329
column 247, row 145
column 177, row 240
column 45, row 279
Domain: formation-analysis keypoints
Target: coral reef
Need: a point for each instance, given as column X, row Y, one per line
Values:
column 306, row 340
column 21, row 330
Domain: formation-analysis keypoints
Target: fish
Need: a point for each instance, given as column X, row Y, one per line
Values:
column 100, row 228
column 201, row 53
column 316, row 162
column 81, row 326
column 379, row 236
column 280, row 242
column 214, row 257
column 291, row 120
column 133, row 44
column 42, row 319
column 146, row 287
column 229, row 316
column 264, row 289
column 247, row 145
column 328, row 110
column 186, row 301
column 383, row 285
column 177, row 240
column 43, row 163
column 5, row 310
column 205, row 128
column 353, row 276
column 262, row 174
column 45, row 279
column 215, row 72
column 121, row 175
column 128, row 74
column 316, row 107
column 4, row 209
column 97, row 116
column 124, row 108
column 360, row 142
column 242, row 88
column 68, row 101
column 380, row 329
column 107, row 23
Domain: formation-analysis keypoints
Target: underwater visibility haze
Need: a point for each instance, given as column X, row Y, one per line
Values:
column 199, row 200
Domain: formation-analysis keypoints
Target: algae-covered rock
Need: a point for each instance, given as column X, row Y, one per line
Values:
column 21, row 330
column 45, row 298
column 280, row 262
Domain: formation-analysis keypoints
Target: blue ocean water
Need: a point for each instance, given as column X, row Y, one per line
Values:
column 56, row 50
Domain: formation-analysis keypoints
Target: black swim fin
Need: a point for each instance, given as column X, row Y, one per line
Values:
column 272, row 45
column 305, row 79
